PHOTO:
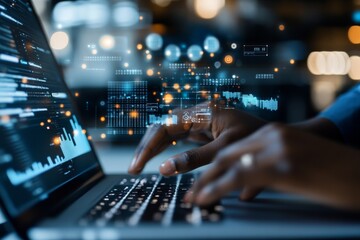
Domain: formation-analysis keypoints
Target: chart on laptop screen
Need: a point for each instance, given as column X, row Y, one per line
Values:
column 42, row 143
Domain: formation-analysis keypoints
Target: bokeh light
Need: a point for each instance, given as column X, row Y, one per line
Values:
column 322, row 93
column 282, row 27
column 211, row 44
column 176, row 86
column 134, row 114
column 354, row 34
column 154, row 41
column 195, row 53
column 354, row 72
column 168, row 98
column 228, row 59
column 139, row 46
column 59, row 40
column 208, row 9
column 57, row 141
column 162, row 3
column 126, row 14
column 328, row 63
column 150, row 72
column 107, row 42
column 172, row 53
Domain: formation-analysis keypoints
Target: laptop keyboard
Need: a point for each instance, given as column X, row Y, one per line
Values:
column 150, row 199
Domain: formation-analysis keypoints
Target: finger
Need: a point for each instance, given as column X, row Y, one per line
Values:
column 155, row 140
column 249, row 193
column 158, row 137
column 199, row 138
column 238, row 176
column 223, row 161
column 217, row 189
column 192, row 159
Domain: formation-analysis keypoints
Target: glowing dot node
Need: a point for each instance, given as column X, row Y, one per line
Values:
column 139, row 46
column 134, row 114
column 150, row 72
column 168, row 98
column 228, row 59
column 57, row 141
column 176, row 86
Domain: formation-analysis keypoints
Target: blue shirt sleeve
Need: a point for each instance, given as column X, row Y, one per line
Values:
column 345, row 114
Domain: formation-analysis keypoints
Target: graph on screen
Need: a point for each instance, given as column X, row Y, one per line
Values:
column 72, row 146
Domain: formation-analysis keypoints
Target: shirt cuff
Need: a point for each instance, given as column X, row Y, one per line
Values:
column 345, row 114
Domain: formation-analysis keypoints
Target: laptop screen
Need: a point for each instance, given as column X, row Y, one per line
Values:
column 43, row 145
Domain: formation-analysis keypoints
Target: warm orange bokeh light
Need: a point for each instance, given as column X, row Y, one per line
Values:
column 354, row 34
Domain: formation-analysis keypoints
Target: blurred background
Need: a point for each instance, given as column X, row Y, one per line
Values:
column 131, row 63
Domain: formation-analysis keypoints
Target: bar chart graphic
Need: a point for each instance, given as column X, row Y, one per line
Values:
column 72, row 146
column 163, row 119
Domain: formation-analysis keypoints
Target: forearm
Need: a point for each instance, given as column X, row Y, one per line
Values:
column 321, row 127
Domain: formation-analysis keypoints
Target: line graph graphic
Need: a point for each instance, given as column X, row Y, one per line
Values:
column 72, row 146
column 249, row 100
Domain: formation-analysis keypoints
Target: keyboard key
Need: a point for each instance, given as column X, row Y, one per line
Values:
column 150, row 199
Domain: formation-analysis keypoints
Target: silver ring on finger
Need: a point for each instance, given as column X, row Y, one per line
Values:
column 246, row 160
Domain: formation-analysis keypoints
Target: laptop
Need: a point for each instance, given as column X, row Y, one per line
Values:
column 52, row 185
column 48, row 163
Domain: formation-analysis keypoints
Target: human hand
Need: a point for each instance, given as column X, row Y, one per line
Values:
column 284, row 159
column 226, row 126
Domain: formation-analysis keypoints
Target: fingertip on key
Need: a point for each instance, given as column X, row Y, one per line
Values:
column 188, row 198
column 168, row 168
column 134, row 169
column 203, row 197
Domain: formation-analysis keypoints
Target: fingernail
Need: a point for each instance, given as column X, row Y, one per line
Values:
column 168, row 168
